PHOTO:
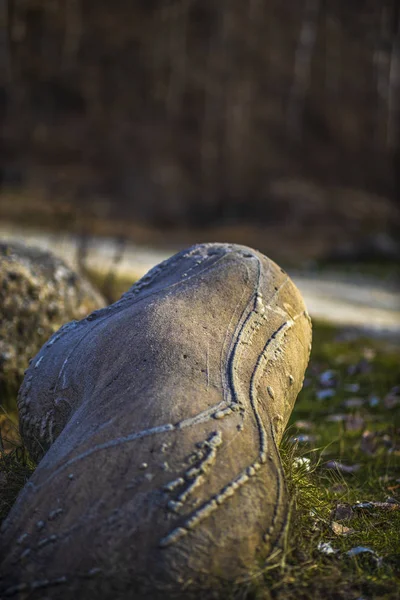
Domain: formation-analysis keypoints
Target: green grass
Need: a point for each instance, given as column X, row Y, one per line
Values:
column 302, row 571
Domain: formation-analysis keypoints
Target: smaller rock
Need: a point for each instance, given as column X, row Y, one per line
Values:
column 340, row 529
column 38, row 294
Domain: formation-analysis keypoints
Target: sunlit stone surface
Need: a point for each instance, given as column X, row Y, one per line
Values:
column 157, row 421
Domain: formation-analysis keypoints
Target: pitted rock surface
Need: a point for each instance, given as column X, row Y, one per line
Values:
column 157, row 421
column 38, row 293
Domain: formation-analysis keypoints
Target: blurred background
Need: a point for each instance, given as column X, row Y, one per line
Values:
column 130, row 129
column 167, row 122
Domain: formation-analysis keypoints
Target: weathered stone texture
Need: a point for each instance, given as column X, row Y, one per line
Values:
column 38, row 293
column 157, row 420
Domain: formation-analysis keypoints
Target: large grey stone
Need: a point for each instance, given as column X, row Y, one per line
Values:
column 157, row 421
column 38, row 293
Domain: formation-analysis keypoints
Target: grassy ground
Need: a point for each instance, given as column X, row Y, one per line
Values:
column 342, row 458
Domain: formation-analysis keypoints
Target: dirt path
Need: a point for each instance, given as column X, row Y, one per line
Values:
column 338, row 298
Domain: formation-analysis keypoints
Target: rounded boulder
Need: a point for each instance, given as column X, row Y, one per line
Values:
column 157, row 421
column 38, row 293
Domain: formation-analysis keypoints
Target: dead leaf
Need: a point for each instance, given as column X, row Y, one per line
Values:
column 393, row 488
column 340, row 529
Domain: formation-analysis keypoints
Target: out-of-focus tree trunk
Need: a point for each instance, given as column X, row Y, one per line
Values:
column 240, row 99
column 5, row 49
column 200, row 106
column 73, row 32
column 178, row 31
column 159, row 52
column 214, row 93
column 302, row 68
column 381, row 64
column 394, row 100
column 394, row 84
column 333, row 55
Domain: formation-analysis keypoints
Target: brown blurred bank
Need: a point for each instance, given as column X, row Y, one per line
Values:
column 265, row 122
